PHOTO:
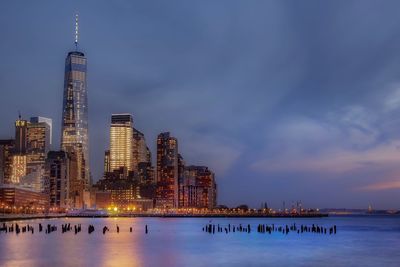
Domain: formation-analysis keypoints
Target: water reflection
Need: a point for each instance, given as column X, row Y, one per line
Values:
column 361, row 241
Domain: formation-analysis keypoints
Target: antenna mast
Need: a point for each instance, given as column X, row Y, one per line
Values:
column 76, row 31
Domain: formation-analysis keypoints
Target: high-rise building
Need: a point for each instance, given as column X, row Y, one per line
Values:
column 38, row 136
column 205, row 182
column 74, row 128
column 57, row 174
column 49, row 122
column 121, row 139
column 6, row 150
column 181, row 179
column 107, row 167
column 142, row 159
column 140, row 149
column 167, row 171
column 30, row 151
column 18, row 158
column 145, row 173
column 21, row 127
column 18, row 168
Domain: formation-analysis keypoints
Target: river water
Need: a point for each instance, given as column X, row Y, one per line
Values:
column 360, row 241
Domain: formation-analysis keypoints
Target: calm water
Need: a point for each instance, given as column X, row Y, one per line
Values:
column 360, row 241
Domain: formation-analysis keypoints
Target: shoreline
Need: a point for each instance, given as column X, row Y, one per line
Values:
column 66, row 216
column 57, row 216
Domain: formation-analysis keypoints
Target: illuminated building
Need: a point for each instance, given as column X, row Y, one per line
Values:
column 18, row 167
column 145, row 173
column 21, row 200
column 167, row 171
column 6, row 149
column 21, row 127
column 198, row 188
column 128, row 173
column 74, row 129
column 57, row 174
column 107, row 167
column 18, row 158
column 49, row 123
column 119, row 190
column 181, row 179
column 103, row 199
column 121, row 138
column 38, row 140
column 77, row 186
column 201, row 184
column 29, row 153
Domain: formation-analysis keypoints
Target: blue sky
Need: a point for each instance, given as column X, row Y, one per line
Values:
column 284, row 100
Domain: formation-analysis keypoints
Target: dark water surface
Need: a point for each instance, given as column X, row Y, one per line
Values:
column 360, row 241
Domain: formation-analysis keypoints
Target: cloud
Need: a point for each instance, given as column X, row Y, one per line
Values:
column 217, row 152
column 335, row 161
column 388, row 185
column 341, row 141
column 392, row 101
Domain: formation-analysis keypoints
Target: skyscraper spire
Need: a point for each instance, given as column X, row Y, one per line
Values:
column 74, row 130
column 76, row 31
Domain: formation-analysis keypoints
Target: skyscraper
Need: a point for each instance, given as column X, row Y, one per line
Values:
column 107, row 167
column 142, row 159
column 49, row 122
column 57, row 173
column 20, row 136
column 74, row 128
column 167, row 171
column 6, row 149
column 181, row 178
column 121, row 138
column 18, row 159
column 38, row 136
column 140, row 150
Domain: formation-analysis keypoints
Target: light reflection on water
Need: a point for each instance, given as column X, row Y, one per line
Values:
column 361, row 241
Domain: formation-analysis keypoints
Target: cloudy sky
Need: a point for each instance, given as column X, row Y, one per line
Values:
column 284, row 100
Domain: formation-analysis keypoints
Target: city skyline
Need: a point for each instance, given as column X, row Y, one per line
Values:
column 341, row 151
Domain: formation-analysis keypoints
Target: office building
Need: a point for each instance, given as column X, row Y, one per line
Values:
column 167, row 171
column 57, row 175
column 200, row 183
column 49, row 123
column 38, row 136
column 107, row 165
column 21, row 127
column 74, row 123
column 6, row 150
column 22, row 200
column 140, row 149
column 121, row 138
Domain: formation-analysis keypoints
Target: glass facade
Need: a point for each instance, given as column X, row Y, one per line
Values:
column 121, row 138
column 74, row 134
column 37, row 146
column 140, row 150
